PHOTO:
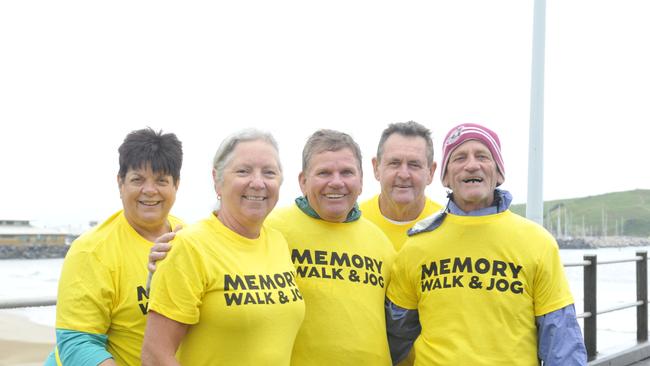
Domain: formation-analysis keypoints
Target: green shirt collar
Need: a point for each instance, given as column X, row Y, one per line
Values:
column 304, row 206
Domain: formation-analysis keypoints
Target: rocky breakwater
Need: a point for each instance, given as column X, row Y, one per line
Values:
column 33, row 251
column 591, row 242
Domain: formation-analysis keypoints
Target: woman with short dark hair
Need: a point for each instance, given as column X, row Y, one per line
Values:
column 102, row 300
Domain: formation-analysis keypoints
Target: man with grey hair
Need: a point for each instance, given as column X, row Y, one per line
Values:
column 477, row 284
column 342, row 260
column 404, row 167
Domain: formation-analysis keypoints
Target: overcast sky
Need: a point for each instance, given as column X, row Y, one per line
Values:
column 77, row 76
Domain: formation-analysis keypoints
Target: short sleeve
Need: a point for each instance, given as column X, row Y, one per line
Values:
column 178, row 284
column 551, row 288
column 86, row 294
column 401, row 289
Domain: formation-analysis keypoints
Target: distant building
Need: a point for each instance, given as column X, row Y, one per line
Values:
column 21, row 232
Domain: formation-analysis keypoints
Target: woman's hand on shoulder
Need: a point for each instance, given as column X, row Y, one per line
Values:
column 161, row 247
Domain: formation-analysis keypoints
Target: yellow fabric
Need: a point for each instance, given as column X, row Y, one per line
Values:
column 56, row 356
column 342, row 271
column 102, row 287
column 242, row 290
column 478, row 283
column 396, row 232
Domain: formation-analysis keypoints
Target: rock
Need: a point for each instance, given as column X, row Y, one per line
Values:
column 33, row 251
column 591, row 242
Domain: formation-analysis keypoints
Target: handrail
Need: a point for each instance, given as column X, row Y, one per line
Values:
column 620, row 307
column 591, row 312
column 27, row 302
column 588, row 262
column 577, row 264
column 635, row 259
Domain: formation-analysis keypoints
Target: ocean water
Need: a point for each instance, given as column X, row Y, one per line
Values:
column 30, row 278
column 616, row 286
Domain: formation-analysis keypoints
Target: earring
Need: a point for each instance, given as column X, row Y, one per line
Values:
column 218, row 197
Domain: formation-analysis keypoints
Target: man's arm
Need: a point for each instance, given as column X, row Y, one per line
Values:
column 402, row 328
column 560, row 341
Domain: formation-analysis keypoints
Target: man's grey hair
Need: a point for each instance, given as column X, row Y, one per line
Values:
column 408, row 129
column 329, row 140
column 223, row 155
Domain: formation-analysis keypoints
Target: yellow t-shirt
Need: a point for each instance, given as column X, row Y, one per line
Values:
column 342, row 271
column 102, row 287
column 478, row 283
column 395, row 231
column 242, row 290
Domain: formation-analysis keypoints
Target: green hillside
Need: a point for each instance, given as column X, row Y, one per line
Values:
column 620, row 213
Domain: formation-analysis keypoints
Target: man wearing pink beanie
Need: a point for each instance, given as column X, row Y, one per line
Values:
column 476, row 284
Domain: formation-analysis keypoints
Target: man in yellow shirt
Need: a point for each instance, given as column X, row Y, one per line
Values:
column 342, row 260
column 404, row 167
column 478, row 284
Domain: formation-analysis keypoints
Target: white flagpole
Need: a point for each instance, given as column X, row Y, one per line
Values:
column 535, row 201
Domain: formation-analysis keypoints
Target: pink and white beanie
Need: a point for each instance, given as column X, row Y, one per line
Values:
column 472, row 131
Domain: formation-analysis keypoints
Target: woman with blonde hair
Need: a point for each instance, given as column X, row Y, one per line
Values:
column 227, row 293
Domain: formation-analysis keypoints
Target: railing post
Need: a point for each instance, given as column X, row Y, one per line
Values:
column 642, row 295
column 590, row 305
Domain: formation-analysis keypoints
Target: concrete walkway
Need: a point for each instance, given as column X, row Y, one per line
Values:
column 627, row 357
column 645, row 362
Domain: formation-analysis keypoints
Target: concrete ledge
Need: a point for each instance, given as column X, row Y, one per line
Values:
column 623, row 358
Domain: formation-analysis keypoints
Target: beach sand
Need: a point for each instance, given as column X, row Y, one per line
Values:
column 23, row 343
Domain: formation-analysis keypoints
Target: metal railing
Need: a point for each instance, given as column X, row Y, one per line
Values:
column 591, row 311
column 27, row 302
